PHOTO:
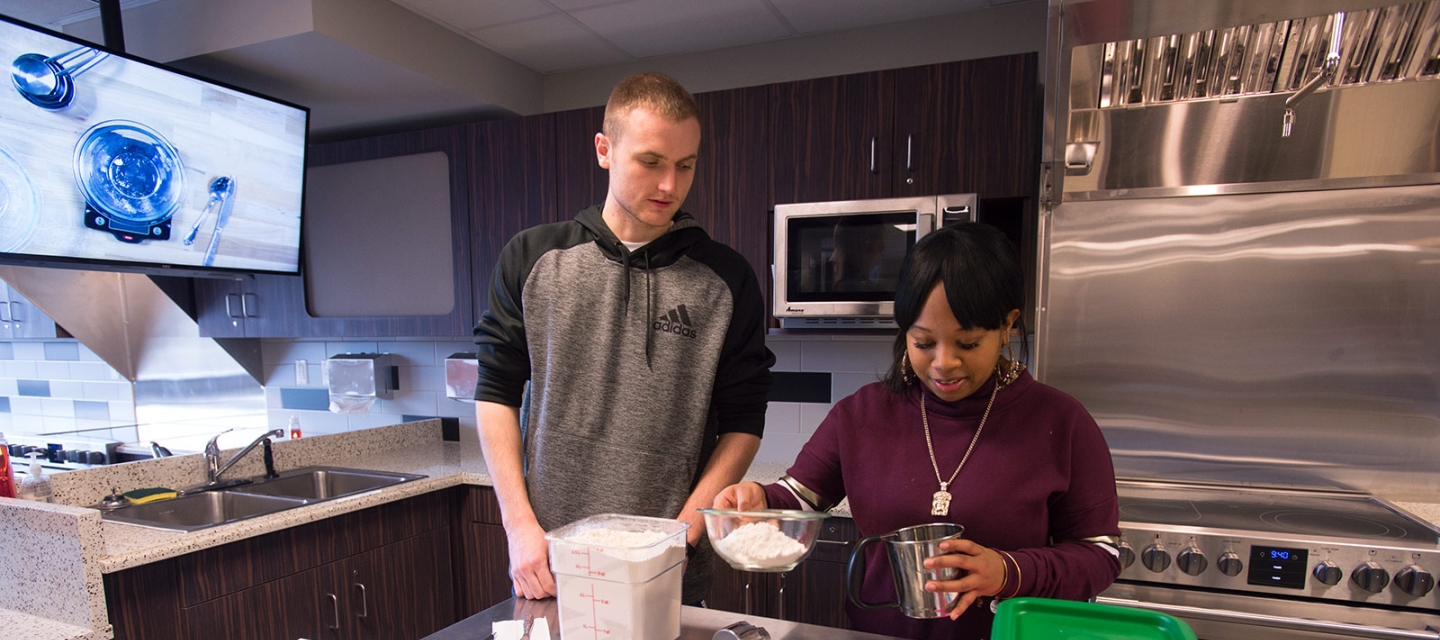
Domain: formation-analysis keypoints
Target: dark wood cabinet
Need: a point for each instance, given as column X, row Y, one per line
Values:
column 579, row 180
column 384, row 572
column 971, row 126
column 832, row 137
column 483, row 553
column 512, row 188
column 730, row 195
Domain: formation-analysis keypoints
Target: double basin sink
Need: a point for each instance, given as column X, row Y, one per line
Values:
column 209, row 508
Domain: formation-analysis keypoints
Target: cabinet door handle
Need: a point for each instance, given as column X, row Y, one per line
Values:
column 250, row 305
column 872, row 155
column 781, row 612
column 909, row 144
column 8, row 314
column 334, row 602
column 16, row 310
column 364, row 602
column 229, row 309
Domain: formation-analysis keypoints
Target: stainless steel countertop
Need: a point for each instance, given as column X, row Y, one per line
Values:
column 695, row 623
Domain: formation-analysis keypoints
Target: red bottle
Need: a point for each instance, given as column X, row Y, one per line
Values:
column 7, row 474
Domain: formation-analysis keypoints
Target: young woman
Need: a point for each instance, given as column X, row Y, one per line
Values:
column 959, row 432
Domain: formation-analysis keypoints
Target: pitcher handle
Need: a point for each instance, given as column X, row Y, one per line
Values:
column 855, row 576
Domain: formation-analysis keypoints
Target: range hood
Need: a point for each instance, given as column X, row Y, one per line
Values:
column 183, row 382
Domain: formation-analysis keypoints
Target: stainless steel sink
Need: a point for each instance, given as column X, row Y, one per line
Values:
column 324, row 483
column 202, row 510
column 262, row 497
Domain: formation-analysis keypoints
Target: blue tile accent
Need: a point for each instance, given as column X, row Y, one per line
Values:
column 7, row 351
column 62, row 351
column 4, row 404
column 308, row 399
column 800, row 386
column 91, row 410
column 37, row 388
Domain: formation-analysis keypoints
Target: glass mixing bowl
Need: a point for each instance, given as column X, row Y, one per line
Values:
column 767, row 540
column 129, row 173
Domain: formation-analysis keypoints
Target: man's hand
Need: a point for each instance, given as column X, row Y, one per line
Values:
column 530, row 562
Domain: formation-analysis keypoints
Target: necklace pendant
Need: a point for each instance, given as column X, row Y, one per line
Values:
column 940, row 503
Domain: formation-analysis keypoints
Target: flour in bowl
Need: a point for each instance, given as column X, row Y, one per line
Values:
column 760, row 544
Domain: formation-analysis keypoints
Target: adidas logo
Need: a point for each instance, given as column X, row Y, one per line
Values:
column 676, row 322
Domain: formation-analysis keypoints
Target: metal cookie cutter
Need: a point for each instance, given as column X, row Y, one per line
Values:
column 742, row 630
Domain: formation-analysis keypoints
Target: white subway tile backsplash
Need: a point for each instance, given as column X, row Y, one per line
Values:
column 372, row 420
column 29, row 350
column 5, row 422
column 845, row 356
column 92, row 371
column 26, row 405
column 811, row 415
column 93, row 426
column 452, row 408
column 105, row 391
column 782, row 417
column 279, row 375
column 787, row 354
column 86, row 355
column 414, row 403
column 24, row 369
column 318, row 423
column 57, row 407
column 781, row 447
column 415, row 354
column 336, row 348
column 422, row 379
column 57, row 424
column 8, row 387
column 73, row 389
column 52, row 370
column 844, row 384
column 288, row 351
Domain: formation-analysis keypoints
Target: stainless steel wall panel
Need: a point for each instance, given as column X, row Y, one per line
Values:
column 1256, row 339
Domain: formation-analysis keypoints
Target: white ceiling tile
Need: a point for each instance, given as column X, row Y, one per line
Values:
column 552, row 43
column 646, row 28
column 467, row 15
column 819, row 16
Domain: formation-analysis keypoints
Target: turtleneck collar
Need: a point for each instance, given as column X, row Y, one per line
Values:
column 973, row 405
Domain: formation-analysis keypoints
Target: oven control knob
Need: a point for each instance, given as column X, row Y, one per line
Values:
column 1415, row 581
column 1230, row 563
column 1370, row 577
column 1155, row 558
column 1328, row 573
column 1192, row 561
column 1127, row 555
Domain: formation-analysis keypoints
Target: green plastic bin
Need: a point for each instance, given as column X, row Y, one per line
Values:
column 1046, row 619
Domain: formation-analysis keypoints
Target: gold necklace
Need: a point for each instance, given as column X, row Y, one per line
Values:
column 940, row 502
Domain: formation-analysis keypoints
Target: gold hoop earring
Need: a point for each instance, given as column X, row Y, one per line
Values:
column 905, row 368
column 1008, row 369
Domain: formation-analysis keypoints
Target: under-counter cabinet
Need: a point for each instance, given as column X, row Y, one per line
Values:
column 384, row 572
column 483, row 551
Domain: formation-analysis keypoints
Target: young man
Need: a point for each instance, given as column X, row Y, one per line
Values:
column 643, row 344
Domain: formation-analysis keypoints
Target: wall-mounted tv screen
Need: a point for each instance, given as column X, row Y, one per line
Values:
column 112, row 162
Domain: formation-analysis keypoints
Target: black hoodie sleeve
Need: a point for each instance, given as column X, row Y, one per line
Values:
column 742, row 378
column 502, row 349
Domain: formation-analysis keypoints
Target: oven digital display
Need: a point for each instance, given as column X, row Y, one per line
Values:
column 1277, row 567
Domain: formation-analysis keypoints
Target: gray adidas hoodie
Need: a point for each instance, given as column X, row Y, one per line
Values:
column 637, row 362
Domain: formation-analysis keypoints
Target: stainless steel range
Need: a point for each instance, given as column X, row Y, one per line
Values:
column 1300, row 550
column 1240, row 279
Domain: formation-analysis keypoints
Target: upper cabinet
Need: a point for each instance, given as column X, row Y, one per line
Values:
column 579, row 180
column 730, row 194
column 961, row 127
column 20, row 319
column 512, row 188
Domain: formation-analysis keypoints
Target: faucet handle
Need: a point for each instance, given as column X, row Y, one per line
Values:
column 213, row 446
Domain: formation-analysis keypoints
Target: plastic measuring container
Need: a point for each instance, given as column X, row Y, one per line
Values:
column 618, row 576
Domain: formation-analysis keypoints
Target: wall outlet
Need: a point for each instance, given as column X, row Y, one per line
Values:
column 302, row 373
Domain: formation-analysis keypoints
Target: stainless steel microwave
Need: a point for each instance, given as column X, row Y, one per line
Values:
column 837, row 264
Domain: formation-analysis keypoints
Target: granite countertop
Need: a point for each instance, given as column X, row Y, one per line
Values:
column 67, row 533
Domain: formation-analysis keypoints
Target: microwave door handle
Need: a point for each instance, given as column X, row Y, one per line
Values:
column 924, row 224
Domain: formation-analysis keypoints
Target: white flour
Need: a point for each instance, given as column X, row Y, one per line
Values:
column 760, row 544
column 632, row 546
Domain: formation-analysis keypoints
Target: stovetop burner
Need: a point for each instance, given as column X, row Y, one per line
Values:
column 1278, row 511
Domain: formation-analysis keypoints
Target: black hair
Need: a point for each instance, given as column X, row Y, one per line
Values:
column 980, row 270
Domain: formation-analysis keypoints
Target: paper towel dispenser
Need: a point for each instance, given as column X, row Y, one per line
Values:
column 356, row 380
column 462, row 372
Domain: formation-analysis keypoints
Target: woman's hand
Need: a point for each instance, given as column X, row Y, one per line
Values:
column 746, row 496
column 982, row 568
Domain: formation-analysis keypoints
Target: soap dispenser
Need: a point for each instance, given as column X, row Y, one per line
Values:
column 36, row 486
column 294, row 426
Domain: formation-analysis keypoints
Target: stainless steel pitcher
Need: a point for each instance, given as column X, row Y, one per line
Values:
column 907, row 550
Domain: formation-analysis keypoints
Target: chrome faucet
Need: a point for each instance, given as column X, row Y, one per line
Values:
column 213, row 468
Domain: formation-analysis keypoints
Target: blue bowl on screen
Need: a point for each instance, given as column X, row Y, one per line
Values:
column 132, row 180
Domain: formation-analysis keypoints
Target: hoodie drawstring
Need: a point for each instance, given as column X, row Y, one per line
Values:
column 625, row 264
column 649, row 312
